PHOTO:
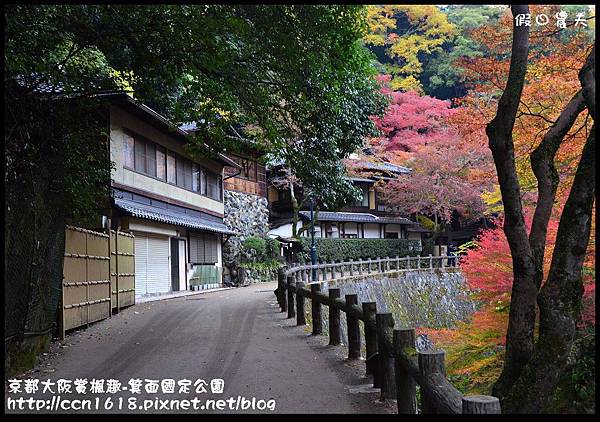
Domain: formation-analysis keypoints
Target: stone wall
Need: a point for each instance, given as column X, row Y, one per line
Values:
column 433, row 299
column 247, row 215
column 248, row 276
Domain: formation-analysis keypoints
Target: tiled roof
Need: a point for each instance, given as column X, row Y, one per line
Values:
column 59, row 89
column 168, row 216
column 358, row 217
column 396, row 220
column 359, row 179
column 383, row 166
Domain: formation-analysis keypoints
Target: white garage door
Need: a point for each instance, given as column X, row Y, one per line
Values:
column 152, row 267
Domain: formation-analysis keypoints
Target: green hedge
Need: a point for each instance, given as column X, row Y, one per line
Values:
column 345, row 249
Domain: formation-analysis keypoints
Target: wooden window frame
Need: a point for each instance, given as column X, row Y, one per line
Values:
column 194, row 236
column 164, row 152
column 365, row 190
column 178, row 157
column 125, row 165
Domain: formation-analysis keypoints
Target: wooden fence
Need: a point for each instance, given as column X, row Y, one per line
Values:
column 122, row 270
column 98, row 276
column 391, row 356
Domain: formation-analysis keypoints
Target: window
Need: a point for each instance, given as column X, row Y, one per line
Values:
column 151, row 159
column 171, row 165
column 180, row 171
column 220, row 187
column 203, row 182
column 161, row 171
column 391, row 235
column 154, row 160
column 128, row 146
column 213, row 183
column 195, row 178
column 285, row 195
column 187, row 174
column 203, row 248
column 184, row 173
column 364, row 201
column 140, row 155
column 248, row 168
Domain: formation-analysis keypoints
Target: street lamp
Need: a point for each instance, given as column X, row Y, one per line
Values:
column 313, row 248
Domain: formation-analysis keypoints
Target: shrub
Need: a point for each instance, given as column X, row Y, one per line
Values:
column 258, row 250
column 272, row 248
column 345, row 249
column 256, row 244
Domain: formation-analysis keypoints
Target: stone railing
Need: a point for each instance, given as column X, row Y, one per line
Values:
column 339, row 270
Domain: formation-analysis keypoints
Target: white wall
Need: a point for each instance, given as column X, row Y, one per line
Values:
column 332, row 229
column 140, row 225
column 372, row 231
column 137, row 224
column 283, row 231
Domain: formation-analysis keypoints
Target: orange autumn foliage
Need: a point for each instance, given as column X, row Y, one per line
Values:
column 475, row 348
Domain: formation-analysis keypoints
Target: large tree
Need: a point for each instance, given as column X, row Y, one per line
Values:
column 297, row 77
column 533, row 367
column 442, row 76
column 417, row 132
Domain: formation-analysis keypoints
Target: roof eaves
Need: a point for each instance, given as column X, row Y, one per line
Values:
column 183, row 220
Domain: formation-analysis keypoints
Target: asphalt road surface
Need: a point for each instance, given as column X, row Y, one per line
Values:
column 267, row 364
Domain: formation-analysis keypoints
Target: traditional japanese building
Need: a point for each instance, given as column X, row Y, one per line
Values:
column 172, row 202
column 244, row 198
column 367, row 217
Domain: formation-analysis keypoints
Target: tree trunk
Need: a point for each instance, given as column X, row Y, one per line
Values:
column 542, row 164
column 519, row 339
column 560, row 297
column 295, row 210
column 587, row 78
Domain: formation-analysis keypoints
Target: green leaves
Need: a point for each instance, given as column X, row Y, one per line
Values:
column 329, row 250
column 297, row 73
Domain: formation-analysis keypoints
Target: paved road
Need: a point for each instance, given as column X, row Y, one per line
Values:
column 237, row 335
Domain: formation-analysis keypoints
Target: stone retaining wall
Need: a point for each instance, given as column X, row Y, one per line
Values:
column 426, row 298
column 248, row 215
column 253, row 276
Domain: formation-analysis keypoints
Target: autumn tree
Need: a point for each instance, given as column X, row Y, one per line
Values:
column 411, row 120
column 439, row 184
column 442, row 75
column 532, row 368
column 445, row 172
column 400, row 35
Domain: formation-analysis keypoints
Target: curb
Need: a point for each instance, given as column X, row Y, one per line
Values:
column 183, row 294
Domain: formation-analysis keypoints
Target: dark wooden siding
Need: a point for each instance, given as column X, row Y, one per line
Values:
column 254, row 183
